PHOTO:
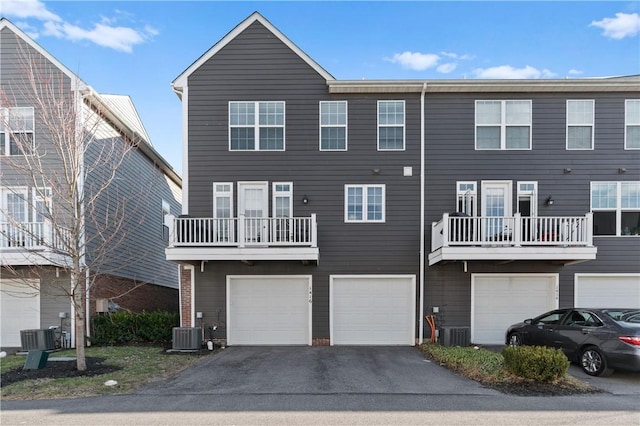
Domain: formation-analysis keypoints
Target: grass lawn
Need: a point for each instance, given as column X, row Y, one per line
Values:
column 129, row 366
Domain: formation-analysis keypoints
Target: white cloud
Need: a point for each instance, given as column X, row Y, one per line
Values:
column 623, row 25
column 575, row 72
column 28, row 9
column 509, row 72
column 415, row 61
column 447, row 68
column 106, row 33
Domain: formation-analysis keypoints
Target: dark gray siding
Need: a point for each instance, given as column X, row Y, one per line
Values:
column 451, row 157
column 257, row 66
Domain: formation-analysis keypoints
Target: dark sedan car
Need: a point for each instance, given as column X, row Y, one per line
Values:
column 600, row 340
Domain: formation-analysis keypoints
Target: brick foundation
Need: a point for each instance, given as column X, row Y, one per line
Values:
column 321, row 342
column 132, row 295
column 185, row 295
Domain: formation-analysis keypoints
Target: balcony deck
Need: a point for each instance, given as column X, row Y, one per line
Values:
column 559, row 239
column 33, row 243
column 242, row 238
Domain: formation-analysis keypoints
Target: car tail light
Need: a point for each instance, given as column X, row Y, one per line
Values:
column 632, row 340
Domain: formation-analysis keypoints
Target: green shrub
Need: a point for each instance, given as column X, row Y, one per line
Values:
column 121, row 328
column 537, row 363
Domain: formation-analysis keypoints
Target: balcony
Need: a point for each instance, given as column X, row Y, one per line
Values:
column 33, row 243
column 243, row 238
column 563, row 240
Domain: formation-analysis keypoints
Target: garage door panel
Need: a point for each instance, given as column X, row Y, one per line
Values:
column 501, row 300
column 20, row 308
column 268, row 310
column 607, row 291
column 372, row 310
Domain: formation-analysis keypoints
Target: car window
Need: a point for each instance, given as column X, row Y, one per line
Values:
column 632, row 317
column 580, row 318
column 552, row 318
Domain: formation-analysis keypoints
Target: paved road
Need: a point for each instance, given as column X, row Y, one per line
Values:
column 324, row 385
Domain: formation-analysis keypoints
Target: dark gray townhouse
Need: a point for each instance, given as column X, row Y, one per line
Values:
column 321, row 211
column 129, row 215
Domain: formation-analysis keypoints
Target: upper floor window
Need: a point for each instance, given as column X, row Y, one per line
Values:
column 41, row 204
column 333, row 126
column 166, row 211
column 616, row 208
column 632, row 124
column 256, row 126
column 390, row 125
column 467, row 196
column 580, row 117
column 503, row 125
column 527, row 199
column 17, row 128
column 282, row 204
column 14, row 207
column 364, row 203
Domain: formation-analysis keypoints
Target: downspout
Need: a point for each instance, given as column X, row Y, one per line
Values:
column 422, row 177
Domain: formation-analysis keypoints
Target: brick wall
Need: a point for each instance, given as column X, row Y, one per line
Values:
column 185, row 295
column 132, row 295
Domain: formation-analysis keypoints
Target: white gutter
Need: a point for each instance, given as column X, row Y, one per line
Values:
column 422, row 177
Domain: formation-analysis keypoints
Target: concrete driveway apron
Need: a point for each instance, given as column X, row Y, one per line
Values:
column 317, row 370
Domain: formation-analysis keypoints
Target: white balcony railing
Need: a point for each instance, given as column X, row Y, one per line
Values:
column 243, row 232
column 514, row 231
column 33, row 235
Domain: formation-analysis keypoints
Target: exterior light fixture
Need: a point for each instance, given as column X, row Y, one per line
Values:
column 622, row 170
column 567, row 170
column 305, row 199
column 549, row 201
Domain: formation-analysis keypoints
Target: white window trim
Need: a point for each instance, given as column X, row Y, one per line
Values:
column 275, row 194
column 404, row 127
column 617, row 209
column 365, row 189
column 257, row 126
column 345, row 126
column 503, row 125
column 166, row 211
column 627, row 124
column 592, row 125
column 37, row 195
column 217, row 193
column 533, row 195
column 4, row 129
column 472, row 192
column 4, row 208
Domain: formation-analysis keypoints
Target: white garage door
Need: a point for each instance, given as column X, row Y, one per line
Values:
column 607, row 291
column 20, row 304
column 499, row 300
column 372, row 310
column 269, row 310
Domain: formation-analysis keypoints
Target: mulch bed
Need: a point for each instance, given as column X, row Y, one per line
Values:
column 57, row 370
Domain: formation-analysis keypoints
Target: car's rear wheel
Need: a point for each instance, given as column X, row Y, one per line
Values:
column 594, row 363
column 514, row 339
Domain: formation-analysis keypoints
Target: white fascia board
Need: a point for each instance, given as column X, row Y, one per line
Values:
column 513, row 253
column 248, row 254
column 181, row 80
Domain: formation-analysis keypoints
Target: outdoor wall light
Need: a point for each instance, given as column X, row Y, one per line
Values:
column 549, row 201
column 305, row 199
column 376, row 171
column 567, row 170
column 622, row 170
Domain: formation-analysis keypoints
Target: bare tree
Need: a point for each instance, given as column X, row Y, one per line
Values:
column 72, row 171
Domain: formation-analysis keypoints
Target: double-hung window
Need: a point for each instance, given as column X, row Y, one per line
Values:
column 503, row 125
column 256, row 126
column 580, row 118
column 632, row 124
column 333, row 126
column 17, row 128
column 223, row 211
column 390, row 125
column 364, row 203
column 616, row 208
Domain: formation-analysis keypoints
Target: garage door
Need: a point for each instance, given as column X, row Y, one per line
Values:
column 20, row 303
column 497, row 301
column 269, row 310
column 372, row 310
column 607, row 291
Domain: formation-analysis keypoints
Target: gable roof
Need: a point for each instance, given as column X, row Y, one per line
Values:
column 119, row 109
column 181, row 81
column 76, row 82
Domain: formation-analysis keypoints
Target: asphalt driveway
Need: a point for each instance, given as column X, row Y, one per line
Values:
column 317, row 370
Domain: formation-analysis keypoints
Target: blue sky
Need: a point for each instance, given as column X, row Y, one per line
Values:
column 138, row 48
